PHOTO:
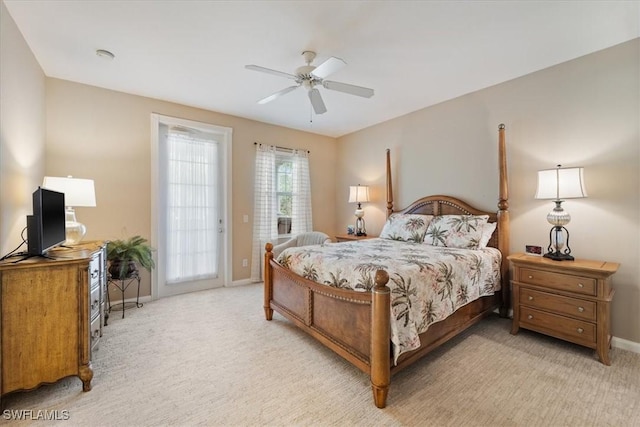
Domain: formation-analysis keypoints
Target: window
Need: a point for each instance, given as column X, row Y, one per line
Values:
column 284, row 193
column 282, row 199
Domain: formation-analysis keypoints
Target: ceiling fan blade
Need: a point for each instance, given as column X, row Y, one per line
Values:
column 316, row 101
column 329, row 66
column 347, row 88
column 278, row 94
column 270, row 71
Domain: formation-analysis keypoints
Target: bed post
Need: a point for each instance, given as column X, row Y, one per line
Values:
column 503, row 221
column 389, row 187
column 268, row 286
column 381, row 339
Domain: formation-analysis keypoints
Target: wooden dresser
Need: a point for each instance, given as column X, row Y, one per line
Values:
column 51, row 316
column 570, row 300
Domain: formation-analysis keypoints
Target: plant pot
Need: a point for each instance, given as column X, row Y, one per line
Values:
column 115, row 269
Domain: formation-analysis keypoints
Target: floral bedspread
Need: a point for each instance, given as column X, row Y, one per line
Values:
column 427, row 283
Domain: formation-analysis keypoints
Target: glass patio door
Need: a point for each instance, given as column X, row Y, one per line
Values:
column 190, row 207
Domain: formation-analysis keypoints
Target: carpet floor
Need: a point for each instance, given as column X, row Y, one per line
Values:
column 210, row 358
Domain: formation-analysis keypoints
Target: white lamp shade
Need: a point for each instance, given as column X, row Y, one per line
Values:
column 567, row 183
column 77, row 191
column 358, row 194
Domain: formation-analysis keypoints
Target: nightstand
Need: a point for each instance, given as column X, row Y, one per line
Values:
column 569, row 300
column 352, row 237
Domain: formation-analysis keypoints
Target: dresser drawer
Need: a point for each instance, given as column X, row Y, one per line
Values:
column 573, row 307
column 559, row 326
column 94, row 302
column 94, row 271
column 563, row 282
column 95, row 334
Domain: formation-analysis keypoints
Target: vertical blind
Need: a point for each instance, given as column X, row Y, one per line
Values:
column 192, row 206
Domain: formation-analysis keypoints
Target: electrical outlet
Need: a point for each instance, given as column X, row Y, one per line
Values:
column 245, row 218
column 245, row 262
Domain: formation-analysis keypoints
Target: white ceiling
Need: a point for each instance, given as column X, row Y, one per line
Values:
column 413, row 53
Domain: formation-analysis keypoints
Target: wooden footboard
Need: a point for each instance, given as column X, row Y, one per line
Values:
column 356, row 325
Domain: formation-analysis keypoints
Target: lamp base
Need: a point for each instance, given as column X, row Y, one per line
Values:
column 558, row 256
column 558, row 250
column 75, row 230
column 360, row 230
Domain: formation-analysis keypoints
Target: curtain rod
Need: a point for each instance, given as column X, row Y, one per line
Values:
column 282, row 148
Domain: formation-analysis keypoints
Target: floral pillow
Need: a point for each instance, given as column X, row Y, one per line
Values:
column 406, row 227
column 456, row 231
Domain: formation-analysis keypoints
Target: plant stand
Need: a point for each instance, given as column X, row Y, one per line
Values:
column 122, row 285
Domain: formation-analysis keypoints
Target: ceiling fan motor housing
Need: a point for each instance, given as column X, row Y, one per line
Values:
column 305, row 77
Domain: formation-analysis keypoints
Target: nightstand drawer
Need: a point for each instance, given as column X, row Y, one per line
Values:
column 559, row 326
column 574, row 307
column 563, row 282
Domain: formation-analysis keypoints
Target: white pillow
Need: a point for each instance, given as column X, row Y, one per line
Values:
column 487, row 232
column 406, row 227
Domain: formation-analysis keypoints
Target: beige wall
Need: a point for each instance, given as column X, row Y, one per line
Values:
column 22, row 131
column 580, row 113
column 105, row 135
column 583, row 112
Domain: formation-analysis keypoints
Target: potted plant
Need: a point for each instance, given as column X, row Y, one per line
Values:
column 125, row 255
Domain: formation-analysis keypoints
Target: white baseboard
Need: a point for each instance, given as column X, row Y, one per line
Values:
column 240, row 282
column 625, row 344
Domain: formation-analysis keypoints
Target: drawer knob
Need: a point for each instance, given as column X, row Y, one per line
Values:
column 530, row 316
column 580, row 309
column 530, row 298
column 580, row 330
column 530, row 277
column 580, row 285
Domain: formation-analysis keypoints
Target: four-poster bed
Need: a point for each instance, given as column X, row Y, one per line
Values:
column 359, row 325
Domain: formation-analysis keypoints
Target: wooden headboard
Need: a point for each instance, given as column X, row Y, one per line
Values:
column 447, row 205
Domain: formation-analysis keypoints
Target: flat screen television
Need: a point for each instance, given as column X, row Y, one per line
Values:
column 46, row 227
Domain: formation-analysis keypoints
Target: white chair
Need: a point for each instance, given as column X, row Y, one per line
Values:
column 302, row 239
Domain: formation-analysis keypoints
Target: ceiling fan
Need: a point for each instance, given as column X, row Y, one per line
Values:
column 309, row 77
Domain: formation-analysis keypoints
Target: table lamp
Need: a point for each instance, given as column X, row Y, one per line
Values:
column 359, row 194
column 77, row 193
column 558, row 184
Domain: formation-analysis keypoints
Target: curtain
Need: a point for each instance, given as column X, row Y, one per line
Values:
column 265, row 215
column 192, row 207
column 301, row 220
column 265, row 221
